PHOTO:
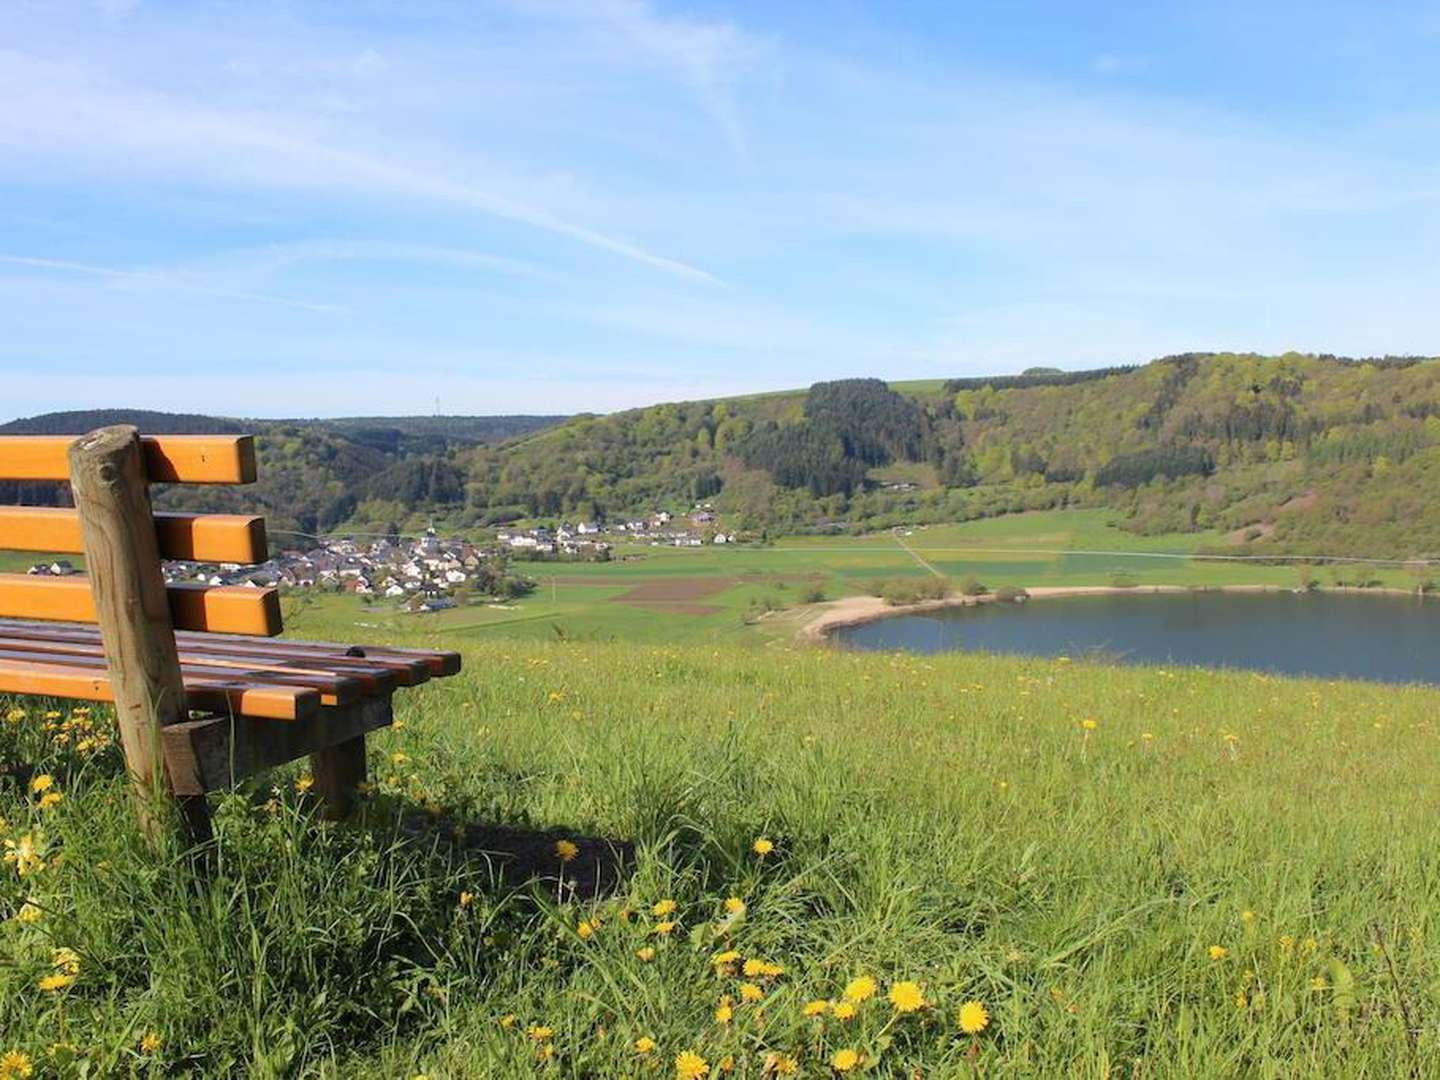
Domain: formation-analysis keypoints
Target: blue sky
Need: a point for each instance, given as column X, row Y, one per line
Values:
column 268, row 208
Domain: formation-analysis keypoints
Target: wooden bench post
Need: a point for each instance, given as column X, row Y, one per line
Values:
column 112, row 495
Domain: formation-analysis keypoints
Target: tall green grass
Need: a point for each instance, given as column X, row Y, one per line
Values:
column 1065, row 843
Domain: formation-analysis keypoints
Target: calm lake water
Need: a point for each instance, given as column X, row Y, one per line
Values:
column 1385, row 638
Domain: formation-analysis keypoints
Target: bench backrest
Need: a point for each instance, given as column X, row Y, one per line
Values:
column 168, row 459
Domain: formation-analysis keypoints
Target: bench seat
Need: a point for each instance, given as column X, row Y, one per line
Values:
column 261, row 678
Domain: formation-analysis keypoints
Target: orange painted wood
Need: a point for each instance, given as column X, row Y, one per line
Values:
column 220, row 609
column 169, row 459
column 237, row 697
column 220, row 538
column 334, row 689
column 344, row 680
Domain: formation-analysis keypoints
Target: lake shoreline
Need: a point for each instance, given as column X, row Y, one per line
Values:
column 823, row 619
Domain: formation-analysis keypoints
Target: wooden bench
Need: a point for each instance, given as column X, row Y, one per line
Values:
column 203, row 692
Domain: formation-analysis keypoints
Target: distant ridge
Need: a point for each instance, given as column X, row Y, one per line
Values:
column 466, row 429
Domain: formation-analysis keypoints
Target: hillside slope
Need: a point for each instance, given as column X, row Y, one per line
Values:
column 1294, row 453
column 1135, row 871
column 313, row 473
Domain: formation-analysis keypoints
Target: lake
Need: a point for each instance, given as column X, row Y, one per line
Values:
column 1383, row 638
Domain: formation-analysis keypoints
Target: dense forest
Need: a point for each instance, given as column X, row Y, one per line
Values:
column 312, row 473
column 1293, row 453
column 1289, row 453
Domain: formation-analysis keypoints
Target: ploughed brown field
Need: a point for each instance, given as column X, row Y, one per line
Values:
column 677, row 595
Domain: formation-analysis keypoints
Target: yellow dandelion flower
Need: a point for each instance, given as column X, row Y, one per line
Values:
column 50, row 800
column 724, row 1013
column 586, row 929
column 66, row 960
column 843, row 1010
column 662, row 908
column 818, row 1007
column 43, row 782
column 24, row 854
column 1241, row 1001
column 29, row 912
column 972, row 1018
column 1286, row 943
column 721, row 959
column 750, row 992
column 1247, row 917
column 645, row 953
column 150, row 1043
column 304, row 783
column 565, row 850
column 859, row 989
column 845, row 1060
column 1218, row 952
column 466, row 899
column 907, row 997
column 51, row 983
column 734, row 905
column 399, row 757
column 762, row 846
column 665, row 928
column 726, row 1064
column 691, row 1066
column 1089, row 723
column 507, row 1021
column 645, row 1045
column 781, row 1064
column 539, row 1032
column 1318, row 983
column 13, row 1064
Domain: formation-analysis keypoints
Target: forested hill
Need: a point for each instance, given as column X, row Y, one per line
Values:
column 313, row 473
column 1289, row 453
column 1294, row 452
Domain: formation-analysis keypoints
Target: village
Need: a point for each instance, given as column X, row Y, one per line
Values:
column 433, row 573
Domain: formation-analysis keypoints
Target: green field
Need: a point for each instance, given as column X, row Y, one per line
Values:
column 1137, row 872
column 587, row 601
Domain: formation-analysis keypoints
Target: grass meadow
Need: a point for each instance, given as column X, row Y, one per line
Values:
column 597, row 601
column 1135, row 872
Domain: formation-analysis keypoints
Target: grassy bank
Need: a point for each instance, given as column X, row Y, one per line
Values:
column 1135, row 871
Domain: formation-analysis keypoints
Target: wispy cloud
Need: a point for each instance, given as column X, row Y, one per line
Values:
column 710, row 57
column 53, row 108
column 147, row 279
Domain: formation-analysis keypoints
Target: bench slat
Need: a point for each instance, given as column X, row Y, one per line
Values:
column 334, row 689
column 440, row 662
column 231, row 696
column 219, row 538
column 215, row 609
column 169, row 459
column 409, row 667
column 370, row 680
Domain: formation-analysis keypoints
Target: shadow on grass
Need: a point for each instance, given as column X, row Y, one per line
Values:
column 515, row 857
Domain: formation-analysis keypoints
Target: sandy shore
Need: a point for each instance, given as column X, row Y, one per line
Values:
column 817, row 621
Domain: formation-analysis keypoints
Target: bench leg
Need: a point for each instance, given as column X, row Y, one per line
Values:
column 338, row 771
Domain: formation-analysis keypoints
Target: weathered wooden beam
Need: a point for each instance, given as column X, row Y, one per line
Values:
column 168, row 459
column 220, row 538
column 107, row 475
column 217, row 752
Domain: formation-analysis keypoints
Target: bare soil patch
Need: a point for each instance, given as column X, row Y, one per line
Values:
column 677, row 595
